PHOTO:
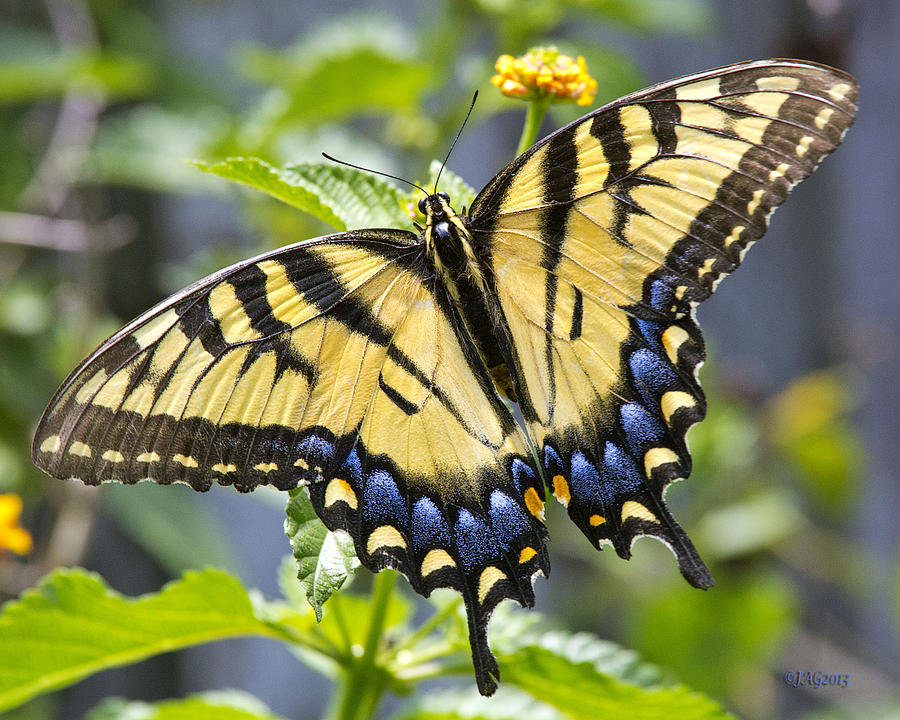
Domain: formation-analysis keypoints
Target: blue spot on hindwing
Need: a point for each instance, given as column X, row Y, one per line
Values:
column 641, row 428
column 429, row 528
column 584, row 483
column 382, row 501
column 507, row 519
column 652, row 375
column 552, row 462
column 523, row 476
column 620, row 475
column 475, row 542
column 617, row 476
column 352, row 468
column 316, row 450
column 662, row 296
column 651, row 331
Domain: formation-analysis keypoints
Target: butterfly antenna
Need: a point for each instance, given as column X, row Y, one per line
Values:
column 453, row 144
column 374, row 172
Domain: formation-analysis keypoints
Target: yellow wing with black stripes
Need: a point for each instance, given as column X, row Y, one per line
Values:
column 340, row 363
column 598, row 243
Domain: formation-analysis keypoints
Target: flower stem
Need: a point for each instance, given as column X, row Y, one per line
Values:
column 537, row 108
column 362, row 682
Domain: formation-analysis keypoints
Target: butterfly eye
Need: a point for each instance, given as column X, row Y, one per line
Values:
column 422, row 202
column 444, row 196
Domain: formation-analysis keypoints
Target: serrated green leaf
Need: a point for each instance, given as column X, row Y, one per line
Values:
column 226, row 705
column 580, row 690
column 72, row 625
column 340, row 196
column 606, row 657
column 324, row 559
column 259, row 175
column 359, row 199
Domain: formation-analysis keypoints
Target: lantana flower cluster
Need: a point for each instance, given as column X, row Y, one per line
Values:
column 544, row 72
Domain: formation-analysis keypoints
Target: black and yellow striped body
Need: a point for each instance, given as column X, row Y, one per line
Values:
column 371, row 365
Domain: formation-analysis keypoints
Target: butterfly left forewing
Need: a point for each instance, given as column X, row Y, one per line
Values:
column 600, row 241
column 215, row 382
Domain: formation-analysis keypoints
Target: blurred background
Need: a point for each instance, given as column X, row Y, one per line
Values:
column 794, row 500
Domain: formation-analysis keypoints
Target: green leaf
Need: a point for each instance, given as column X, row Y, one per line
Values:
column 72, row 625
column 606, row 657
column 259, row 175
column 324, row 559
column 340, row 196
column 580, row 690
column 226, row 705
column 360, row 199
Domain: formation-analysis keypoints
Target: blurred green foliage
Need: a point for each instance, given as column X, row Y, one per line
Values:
column 772, row 477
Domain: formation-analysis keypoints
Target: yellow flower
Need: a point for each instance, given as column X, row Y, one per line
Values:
column 12, row 537
column 544, row 72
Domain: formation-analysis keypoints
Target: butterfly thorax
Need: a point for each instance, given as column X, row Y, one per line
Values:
column 449, row 242
column 451, row 248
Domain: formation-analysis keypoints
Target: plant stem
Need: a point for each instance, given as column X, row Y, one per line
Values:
column 362, row 683
column 430, row 624
column 339, row 620
column 537, row 108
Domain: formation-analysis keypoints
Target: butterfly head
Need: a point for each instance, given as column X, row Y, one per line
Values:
column 434, row 205
column 442, row 224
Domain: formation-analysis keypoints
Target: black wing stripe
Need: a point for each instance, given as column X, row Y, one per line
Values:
column 560, row 173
